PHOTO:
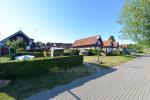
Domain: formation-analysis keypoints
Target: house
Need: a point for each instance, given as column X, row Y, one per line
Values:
column 88, row 43
column 4, row 50
column 115, row 45
column 21, row 35
column 124, row 48
column 108, row 46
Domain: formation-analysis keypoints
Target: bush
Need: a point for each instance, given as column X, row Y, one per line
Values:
column 57, row 52
column 67, row 52
column 71, row 52
column 45, row 53
column 75, row 52
column 12, row 56
column 140, row 51
column 96, row 52
column 37, row 67
column 36, row 54
column 20, row 50
column 115, row 53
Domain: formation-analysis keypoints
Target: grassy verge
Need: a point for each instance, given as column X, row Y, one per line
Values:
column 20, row 89
column 108, row 61
column 4, row 59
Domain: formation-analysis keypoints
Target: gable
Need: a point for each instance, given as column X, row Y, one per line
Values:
column 16, row 35
column 107, row 43
column 90, row 41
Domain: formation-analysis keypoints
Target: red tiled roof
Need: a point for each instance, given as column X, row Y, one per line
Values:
column 107, row 43
column 90, row 41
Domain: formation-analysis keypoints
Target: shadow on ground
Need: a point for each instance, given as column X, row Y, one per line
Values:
column 46, row 95
column 19, row 90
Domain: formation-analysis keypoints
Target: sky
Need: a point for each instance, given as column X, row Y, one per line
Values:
column 60, row 20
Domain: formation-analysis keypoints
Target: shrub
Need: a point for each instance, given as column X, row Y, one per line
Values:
column 140, row 51
column 12, row 56
column 75, row 52
column 67, row 52
column 45, row 53
column 71, row 52
column 115, row 53
column 37, row 67
column 36, row 54
column 20, row 50
column 96, row 52
column 57, row 52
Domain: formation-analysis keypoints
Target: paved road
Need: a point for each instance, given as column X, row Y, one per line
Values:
column 130, row 81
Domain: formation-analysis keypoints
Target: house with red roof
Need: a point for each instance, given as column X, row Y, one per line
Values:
column 88, row 43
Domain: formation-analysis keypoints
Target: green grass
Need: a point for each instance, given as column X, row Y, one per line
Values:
column 108, row 61
column 20, row 89
column 4, row 59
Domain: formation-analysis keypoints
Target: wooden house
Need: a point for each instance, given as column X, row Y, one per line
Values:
column 21, row 35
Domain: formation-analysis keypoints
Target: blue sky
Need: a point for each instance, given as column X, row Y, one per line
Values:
column 60, row 20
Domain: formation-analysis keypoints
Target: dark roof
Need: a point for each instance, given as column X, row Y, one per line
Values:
column 1, row 44
column 19, row 32
column 90, row 41
column 115, row 44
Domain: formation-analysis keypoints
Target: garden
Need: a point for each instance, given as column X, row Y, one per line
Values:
column 26, row 77
column 51, row 68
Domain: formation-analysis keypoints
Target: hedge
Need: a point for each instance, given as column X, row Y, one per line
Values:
column 57, row 52
column 71, row 52
column 36, row 67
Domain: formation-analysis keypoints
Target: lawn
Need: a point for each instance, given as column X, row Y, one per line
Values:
column 108, row 61
column 4, row 59
column 20, row 89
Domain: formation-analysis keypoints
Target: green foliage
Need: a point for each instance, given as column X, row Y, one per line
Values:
column 112, row 38
column 37, row 67
column 67, row 52
column 136, row 47
column 45, row 53
column 20, row 49
column 58, row 52
column 16, row 45
column 75, row 52
column 135, row 21
column 12, row 56
column 94, row 51
column 36, row 54
column 71, row 52
column 117, row 52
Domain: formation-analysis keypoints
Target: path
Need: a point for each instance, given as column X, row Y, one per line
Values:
column 130, row 81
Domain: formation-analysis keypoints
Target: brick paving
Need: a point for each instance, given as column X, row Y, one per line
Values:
column 130, row 81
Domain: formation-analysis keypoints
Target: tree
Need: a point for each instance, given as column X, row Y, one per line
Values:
column 16, row 45
column 135, row 21
column 112, row 38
